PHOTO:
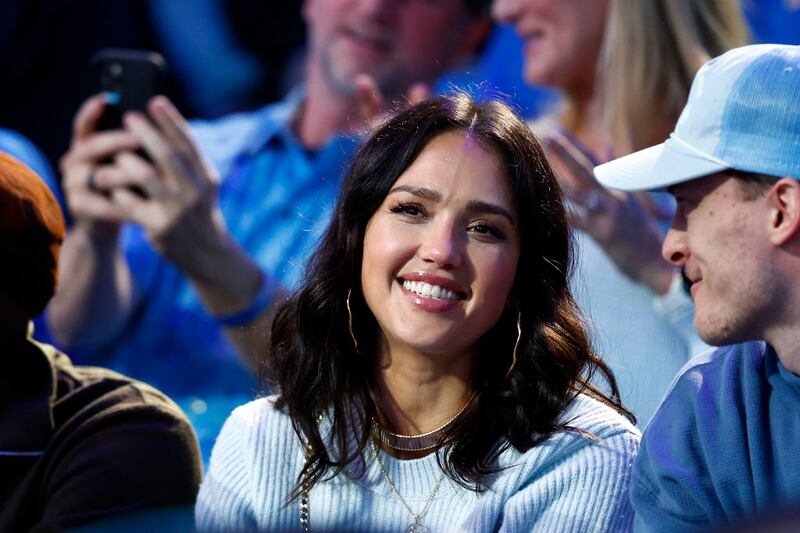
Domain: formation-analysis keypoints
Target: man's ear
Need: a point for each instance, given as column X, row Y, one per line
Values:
column 475, row 33
column 783, row 200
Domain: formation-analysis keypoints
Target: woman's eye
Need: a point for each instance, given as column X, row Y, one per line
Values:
column 489, row 230
column 410, row 210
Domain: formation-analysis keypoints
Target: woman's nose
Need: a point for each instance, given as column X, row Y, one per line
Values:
column 442, row 246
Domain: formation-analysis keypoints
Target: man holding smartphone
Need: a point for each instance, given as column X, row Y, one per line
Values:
column 171, row 285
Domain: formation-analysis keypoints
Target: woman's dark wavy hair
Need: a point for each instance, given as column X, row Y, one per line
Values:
column 315, row 367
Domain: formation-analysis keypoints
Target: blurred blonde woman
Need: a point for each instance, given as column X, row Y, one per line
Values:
column 624, row 68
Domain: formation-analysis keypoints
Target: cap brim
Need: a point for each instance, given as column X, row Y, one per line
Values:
column 656, row 168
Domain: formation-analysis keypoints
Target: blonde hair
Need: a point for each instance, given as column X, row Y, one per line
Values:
column 651, row 52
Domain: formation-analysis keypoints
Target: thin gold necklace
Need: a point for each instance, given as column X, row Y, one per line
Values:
column 417, row 526
column 416, row 443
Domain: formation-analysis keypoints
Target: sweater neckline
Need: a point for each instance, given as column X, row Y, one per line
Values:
column 413, row 478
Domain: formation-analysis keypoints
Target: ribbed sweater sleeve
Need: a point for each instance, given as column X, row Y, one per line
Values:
column 588, row 491
column 224, row 501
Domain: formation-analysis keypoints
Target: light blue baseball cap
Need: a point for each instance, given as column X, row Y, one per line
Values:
column 743, row 113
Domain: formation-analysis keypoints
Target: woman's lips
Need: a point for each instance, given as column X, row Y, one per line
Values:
column 428, row 303
column 432, row 279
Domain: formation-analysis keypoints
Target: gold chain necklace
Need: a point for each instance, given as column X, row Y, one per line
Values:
column 416, row 443
column 417, row 526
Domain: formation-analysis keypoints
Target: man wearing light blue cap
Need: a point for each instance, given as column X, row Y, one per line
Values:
column 723, row 445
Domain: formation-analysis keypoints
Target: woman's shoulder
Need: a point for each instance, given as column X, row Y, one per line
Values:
column 255, row 460
column 594, row 431
column 577, row 478
column 588, row 414
column 256, row 423
column 264, row 408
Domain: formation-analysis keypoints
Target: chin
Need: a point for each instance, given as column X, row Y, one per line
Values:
column 537, row 75
column 720, row 334
column 433, row 346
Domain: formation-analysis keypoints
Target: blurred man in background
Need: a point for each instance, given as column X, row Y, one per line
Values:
column 170, row 285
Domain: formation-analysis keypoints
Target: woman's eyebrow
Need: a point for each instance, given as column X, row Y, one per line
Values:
column 423, row 192
column 474, row 206
column 478, row 206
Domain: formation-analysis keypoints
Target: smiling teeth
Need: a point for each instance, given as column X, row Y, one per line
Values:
column 430, row 291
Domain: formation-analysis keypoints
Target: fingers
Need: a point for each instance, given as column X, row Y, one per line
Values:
column 662, row 211
column 94, row 192
column 171, row 148
column 577, row 216
column 98, row 147
column 81, row 162
column 578, row 167
column 417, row 93
column 173, row 125
column 369, row 99
column 86, row 118
column 574, row 172
column 134, row 208
column 166, row 156
column 88, row 202
column 131, row 172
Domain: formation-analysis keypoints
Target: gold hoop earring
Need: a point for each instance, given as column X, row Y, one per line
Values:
column 350, row 321
column 516, row 344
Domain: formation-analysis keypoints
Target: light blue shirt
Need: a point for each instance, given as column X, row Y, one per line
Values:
column 276, row 199
column 723, row 445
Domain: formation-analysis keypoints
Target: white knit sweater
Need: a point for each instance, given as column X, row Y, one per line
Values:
column 568, row 483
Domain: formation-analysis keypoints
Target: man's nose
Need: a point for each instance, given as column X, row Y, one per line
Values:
column 505, row 11
column 675, row 248
column 380, row 9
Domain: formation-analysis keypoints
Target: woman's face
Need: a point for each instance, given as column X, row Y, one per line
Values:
column 561, row 39
column 441, row 252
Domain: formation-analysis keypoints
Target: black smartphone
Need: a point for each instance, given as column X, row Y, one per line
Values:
column 129, row 78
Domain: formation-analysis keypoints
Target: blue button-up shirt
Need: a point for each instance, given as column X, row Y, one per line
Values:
column 276, row 198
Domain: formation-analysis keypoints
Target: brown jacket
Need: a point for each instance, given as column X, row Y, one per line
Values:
column 82, row 443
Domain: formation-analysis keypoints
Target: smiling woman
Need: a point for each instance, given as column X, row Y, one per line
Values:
column 433, row 371
column 440, row 255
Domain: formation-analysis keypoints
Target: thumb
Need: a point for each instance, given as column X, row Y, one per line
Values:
column 417, row 93
column 369, row 100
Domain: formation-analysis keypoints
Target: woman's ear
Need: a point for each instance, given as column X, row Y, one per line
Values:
column 783, row 200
